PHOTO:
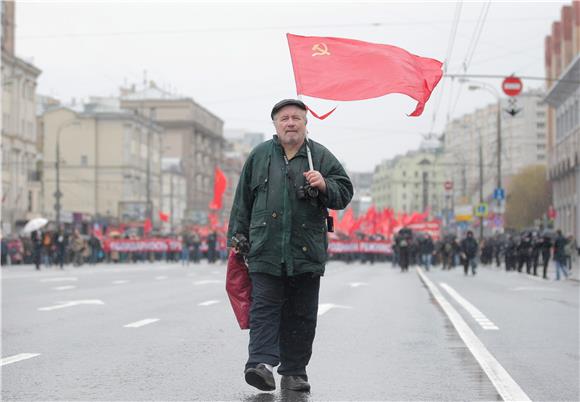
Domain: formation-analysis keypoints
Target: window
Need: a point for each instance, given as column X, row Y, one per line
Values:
column 541, row 125
column 84, row 160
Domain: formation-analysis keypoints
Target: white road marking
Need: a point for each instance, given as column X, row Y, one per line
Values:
column 160, row 278
column 325, row 307
column 534, row 288
column 141, row 323
column 508, row 389
column 120, row 282
column 17, row 358
column 208, row 303
column 64, row 287
column 207, row 282
column 62, row 279
column 471, row 309
column 357, row 284
column 70, row 304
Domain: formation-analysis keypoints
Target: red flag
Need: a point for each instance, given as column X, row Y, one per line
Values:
column 147, row 227
column 346, row 69
column 163, row 217
column 219, row 187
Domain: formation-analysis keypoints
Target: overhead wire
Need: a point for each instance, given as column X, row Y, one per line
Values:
column 448, row 54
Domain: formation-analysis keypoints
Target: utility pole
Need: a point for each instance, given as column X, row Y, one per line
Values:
column 480, row 183
column 149, row 208
column 498, row 210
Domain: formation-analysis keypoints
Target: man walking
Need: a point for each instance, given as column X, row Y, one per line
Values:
column 280, row 206
column 469, row 248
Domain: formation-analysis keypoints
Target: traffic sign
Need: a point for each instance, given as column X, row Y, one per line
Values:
column 448, row 185
column 499, row 194
column 482, row 210
column 512, row 86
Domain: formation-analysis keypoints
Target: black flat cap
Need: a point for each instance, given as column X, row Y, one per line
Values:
column 287, row 102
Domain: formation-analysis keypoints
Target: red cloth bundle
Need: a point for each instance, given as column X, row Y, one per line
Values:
column 239, row 288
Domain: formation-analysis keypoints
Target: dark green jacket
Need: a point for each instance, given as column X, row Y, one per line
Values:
column 286, row 232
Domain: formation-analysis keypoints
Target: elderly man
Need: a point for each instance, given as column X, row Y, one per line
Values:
column 280, row 206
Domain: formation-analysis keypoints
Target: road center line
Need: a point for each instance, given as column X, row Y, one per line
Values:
column 141, row 323
column 207, row 282
column 120, row 282
column 325, row 307
column 62, row 279
column 500, row 378
column 64, row 287
column 208, row 303
column 470, row 308
column 160, row 278
column 17, row 358
column 70, row 304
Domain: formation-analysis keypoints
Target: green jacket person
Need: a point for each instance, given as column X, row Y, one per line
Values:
column 281, row 207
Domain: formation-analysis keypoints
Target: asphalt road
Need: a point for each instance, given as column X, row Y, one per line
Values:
column 166, row 332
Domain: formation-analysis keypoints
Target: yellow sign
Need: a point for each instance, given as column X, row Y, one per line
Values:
column 482, row 210
column 320, row 49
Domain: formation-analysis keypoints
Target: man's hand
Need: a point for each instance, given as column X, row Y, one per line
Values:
column 316, row 180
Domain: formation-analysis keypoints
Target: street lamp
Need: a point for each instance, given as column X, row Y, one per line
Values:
column 482, row 85
column 58, row 193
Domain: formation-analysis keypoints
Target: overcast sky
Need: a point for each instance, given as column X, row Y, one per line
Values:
column 233, row 58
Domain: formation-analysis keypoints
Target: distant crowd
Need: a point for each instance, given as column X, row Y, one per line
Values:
column 59, row 248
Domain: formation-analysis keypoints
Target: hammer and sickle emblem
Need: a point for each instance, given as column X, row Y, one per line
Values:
column 320, row 49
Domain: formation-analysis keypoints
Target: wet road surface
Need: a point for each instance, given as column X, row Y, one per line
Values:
column 166, row 332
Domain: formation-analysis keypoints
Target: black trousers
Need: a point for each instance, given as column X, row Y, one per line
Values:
column 283, row 321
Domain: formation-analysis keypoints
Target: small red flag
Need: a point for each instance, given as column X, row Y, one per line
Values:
column 147, row 227
column 219, row 187
column 346, row 69
column 163, row 217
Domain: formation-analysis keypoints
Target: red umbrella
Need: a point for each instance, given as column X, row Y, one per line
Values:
column 239, row 288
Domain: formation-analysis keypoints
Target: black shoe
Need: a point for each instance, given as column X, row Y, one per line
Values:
column 260, row 377
column 295, row 383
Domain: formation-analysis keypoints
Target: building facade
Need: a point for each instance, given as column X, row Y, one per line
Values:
column 562, row 63
column 523, row 143
column 411, row 182
column 20, row 156
column 109, row 166
column 191, row 133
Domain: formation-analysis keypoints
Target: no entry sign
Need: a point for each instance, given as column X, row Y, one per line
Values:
column 512, row 86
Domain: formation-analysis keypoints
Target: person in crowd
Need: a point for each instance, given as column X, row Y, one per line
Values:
column 47, row 249
column 536, row 251
column 36, row 243
column 560, row 255
column 77, row 248
column 469, row 249
column 546, row 253
column 212, row 247
column 571, row 252
column 524, row 252
column 95, row 248
column 280, row 206
column 185, row 248
column 60, row 241
column 426, row 248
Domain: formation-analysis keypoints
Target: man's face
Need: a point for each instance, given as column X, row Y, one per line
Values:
column 290, row 123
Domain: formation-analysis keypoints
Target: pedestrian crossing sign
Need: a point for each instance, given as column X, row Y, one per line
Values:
column 482, row 210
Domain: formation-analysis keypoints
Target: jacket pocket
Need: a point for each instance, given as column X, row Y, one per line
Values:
column 260, row 193
column 258, row 233
column 312, row 242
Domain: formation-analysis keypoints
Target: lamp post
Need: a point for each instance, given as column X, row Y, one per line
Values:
column 58, row 193
column 495, row 93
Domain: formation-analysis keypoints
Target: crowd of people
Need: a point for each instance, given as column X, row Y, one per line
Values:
column 527, row 252
column 57, row 248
